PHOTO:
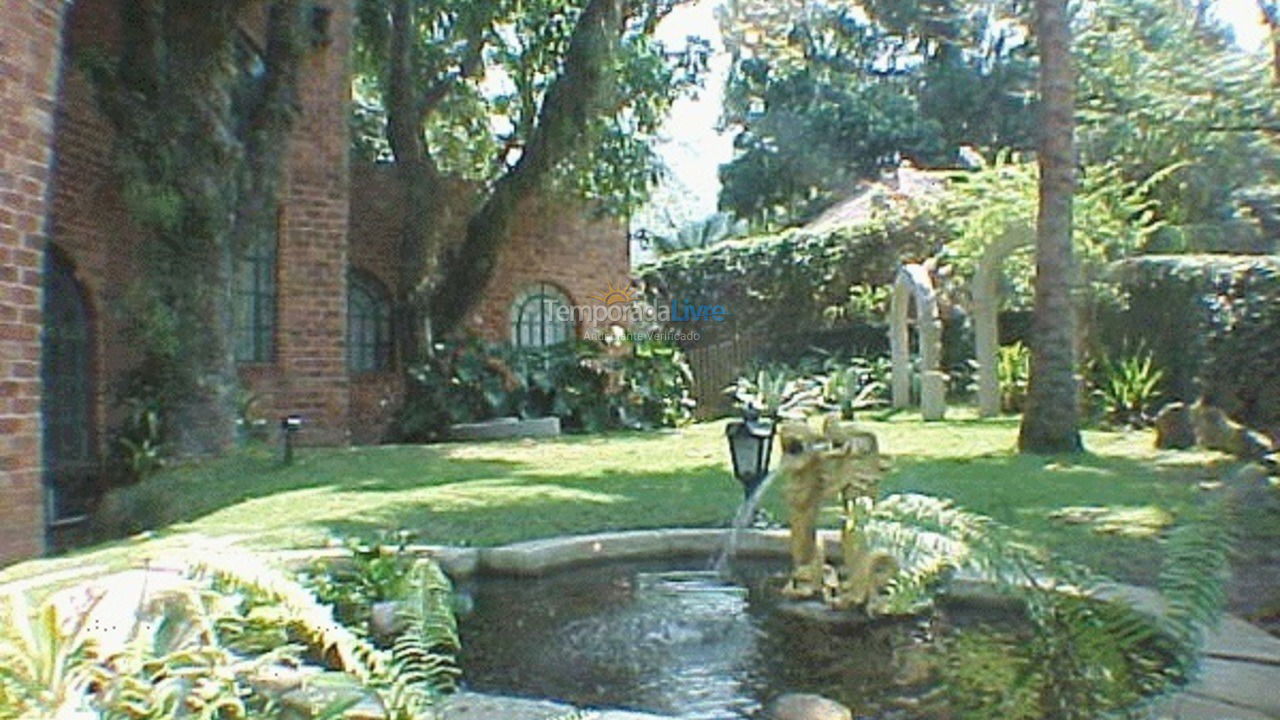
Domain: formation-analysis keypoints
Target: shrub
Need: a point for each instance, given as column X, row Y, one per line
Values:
column 1013, row 369
column 1128, row 389
column 590, row 386
column 1212, row 324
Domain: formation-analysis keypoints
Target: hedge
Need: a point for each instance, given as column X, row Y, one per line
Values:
column 1212, row 324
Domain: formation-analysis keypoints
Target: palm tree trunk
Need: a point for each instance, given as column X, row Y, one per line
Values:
column 1050, row 422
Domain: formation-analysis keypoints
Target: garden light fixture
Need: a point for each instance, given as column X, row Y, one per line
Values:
column 750, row 445
column 289, row 426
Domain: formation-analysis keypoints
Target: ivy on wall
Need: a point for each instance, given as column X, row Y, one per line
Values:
column 781, row 283
column 200, row 118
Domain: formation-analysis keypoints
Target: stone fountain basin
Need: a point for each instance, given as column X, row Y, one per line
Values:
column 1241, row 669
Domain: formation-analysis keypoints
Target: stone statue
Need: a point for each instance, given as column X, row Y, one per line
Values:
column 842, row 461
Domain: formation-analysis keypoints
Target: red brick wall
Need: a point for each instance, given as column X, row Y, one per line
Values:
column 88, row 221
column 555, row 242
column 560, row 242
column 30, row 55
column 309, row 376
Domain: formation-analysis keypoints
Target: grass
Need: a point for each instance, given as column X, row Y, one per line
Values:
column 494, row 493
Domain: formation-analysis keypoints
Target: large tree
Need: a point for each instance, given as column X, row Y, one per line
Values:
column 518, row 96
column 824, row 94
column 1051, row 416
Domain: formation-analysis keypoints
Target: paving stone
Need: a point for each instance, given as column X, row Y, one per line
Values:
column 1236, row 639
column 1190, row 707
column 479, row 706
column 1240, row 684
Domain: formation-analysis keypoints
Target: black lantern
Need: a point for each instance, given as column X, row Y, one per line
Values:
column 750, row 444
column 289, row 426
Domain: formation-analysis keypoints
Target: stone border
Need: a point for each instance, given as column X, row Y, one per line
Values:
column 1240, row 672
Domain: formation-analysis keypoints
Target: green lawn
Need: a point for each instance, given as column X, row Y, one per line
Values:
column 482, row 494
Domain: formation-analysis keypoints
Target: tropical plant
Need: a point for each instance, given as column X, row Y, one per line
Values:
column 1128, row 389
column 140, row 443
column 176, row 665
column 46, row 657
column 1013, row 367
column 775, row 392
column 411, row 675
column 591, row 386
column 706, row 232
column 1088, row 654
column 866, row 303
column 853, row 387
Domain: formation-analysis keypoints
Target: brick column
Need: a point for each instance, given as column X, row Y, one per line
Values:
column 310, row 374
column 30, row 57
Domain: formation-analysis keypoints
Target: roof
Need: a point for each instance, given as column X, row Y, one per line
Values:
column 902, row 185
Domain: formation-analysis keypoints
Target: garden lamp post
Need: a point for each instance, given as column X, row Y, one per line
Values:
column 750, row 444
column 289, row 426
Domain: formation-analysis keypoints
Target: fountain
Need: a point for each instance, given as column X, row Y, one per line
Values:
column 841, row 461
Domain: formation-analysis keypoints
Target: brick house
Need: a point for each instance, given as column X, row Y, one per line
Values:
column 313, row 334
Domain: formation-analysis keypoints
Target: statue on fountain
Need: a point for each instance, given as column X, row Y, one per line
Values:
column 842, row 461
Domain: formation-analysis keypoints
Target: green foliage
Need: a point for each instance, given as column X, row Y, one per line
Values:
column 775, row 392
column 590, row 386
column 45, row 658
column 983, row 676
column 1112, row 219
column 774, row 284
column 1211, row 324
column 829, row 96
column 140, row 449
column 377, row 572
column 421, row 662
column 696, row 234
column 866, row 303
column 474, row 127
column 1160, row 85
column 1128, row 389
column 1013, row 371
column 1085, row 656
column 424, row 655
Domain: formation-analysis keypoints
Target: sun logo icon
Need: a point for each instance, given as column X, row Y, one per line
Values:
column 615, row 295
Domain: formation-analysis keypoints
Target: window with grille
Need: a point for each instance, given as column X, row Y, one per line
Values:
column 540, row 318
column 254, row 322
column 368, row 324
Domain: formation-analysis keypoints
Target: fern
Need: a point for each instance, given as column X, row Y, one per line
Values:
column 423, row 658
column 311, row 619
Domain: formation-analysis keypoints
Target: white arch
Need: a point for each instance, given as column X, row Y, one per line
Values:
column 913, row 283
column 986, row 308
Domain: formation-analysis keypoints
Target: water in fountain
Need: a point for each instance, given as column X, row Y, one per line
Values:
column 746, row 513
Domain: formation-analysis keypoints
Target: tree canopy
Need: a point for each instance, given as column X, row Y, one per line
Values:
column 826, row 93
column 516, row 95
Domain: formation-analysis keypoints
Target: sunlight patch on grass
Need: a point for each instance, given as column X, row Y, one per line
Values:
column 1145, row 521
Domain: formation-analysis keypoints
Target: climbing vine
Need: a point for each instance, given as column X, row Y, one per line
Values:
column 200, row 117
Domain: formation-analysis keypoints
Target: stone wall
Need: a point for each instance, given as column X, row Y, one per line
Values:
column 30, row 57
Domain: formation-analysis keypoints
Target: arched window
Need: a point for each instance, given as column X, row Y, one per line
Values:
column 254, row 330
column 368, row 324
column 541, row 318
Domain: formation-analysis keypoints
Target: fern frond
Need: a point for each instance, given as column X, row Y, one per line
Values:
column 312, row 619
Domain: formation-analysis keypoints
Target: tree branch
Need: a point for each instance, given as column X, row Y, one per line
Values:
column 582, row 92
